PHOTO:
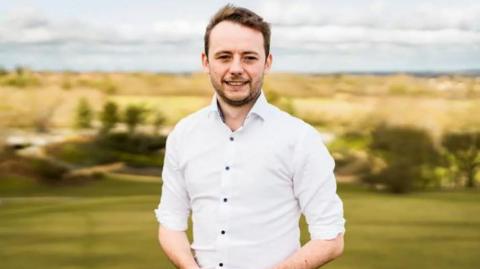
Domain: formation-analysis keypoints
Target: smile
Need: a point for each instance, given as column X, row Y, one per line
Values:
column 236, row 83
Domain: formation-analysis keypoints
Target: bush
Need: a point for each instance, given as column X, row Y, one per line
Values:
column 409, row 156
column 349, row 151
column 83, row 114
column 464, row 148
column 44, row 171
column 134, row 150
column 109, row 117
column 158, row 120
column 138, row 143
column 134, row 116
column 21, row 78
column 48, row 171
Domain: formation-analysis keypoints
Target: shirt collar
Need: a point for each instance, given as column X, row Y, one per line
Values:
column 260, row 108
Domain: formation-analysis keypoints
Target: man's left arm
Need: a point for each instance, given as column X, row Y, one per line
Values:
column 314, row 254
column 314, row 186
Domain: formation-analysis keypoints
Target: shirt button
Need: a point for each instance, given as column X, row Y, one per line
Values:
column 231, row 138
column 225, row 200
column 223, row 232
column 220, row 264
column 227, row 168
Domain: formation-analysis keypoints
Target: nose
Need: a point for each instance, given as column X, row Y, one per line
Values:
column 236, row 67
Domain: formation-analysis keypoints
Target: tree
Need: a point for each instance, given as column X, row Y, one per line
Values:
column 407, row 153
column 134, row 115
column 84, row 114
column 108, row 117
column 465, row 150
column 158, row 121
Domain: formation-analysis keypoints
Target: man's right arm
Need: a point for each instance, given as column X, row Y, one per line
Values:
column 174, row 208
column 176, row 246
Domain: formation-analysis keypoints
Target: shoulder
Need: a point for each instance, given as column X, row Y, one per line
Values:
column 189, row 122
column 299, row 135
column 288, row 123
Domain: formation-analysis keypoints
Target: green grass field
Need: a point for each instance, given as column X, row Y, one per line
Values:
column 110, row 224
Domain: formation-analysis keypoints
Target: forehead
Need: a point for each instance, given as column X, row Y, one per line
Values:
column 230, row 36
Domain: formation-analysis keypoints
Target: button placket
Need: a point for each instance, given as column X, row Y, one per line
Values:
column 228, row 174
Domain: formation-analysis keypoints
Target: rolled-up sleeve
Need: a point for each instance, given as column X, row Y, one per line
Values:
column 174, row 207
column 315, row 187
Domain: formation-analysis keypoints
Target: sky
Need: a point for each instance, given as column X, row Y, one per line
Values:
column 307, row 36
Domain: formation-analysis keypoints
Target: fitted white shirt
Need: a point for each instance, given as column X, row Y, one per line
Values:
column 247, row 189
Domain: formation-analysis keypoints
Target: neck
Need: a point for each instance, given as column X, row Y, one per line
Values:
column 234, row 116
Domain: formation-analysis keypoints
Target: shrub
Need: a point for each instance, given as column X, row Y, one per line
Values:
column 21, row 78
column 43, row 170
column 139, row 150
column 134, row 115
column 108, row 117
column 138, row 143
column 409, row 155
column 83, row 114
column 48, row 171
column 464, row 148
column 66, row 84
column 158, row 120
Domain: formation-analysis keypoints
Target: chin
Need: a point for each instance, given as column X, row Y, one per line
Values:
column 237, row 96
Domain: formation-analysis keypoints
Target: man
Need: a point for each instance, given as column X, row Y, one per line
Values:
column 244, row 169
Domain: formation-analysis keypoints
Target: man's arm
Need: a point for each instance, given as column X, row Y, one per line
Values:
column 314, row 185
column 176, row 246
column 314, row 254
column 174, row 208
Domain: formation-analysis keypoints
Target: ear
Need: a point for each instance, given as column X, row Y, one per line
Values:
column 268, row 63
column 205, row 63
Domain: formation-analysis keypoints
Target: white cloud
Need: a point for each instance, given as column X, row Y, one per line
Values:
column 31, row 27
column 347, row 34
column 179, row 29
column 374, row 14
column 298, row 35
column 319, row 26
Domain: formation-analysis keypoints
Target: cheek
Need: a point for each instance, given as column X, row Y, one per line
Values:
column 218, row 71
column 254, row 75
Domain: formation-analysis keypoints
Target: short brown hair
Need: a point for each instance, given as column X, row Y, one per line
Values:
column 241, row 16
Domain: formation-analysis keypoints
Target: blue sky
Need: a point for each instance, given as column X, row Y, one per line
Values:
column 307, row 36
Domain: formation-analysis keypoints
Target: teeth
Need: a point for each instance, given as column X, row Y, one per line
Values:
column 236, row 83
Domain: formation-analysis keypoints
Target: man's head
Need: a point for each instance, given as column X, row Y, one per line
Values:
column 237, row 54
column 243, row 17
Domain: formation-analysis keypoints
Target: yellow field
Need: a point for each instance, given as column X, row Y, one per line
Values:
column 333, row 101
column 173, row 107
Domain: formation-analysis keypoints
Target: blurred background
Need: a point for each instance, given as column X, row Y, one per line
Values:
column 90, row 90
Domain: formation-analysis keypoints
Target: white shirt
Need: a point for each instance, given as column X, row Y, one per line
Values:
column 246, row 189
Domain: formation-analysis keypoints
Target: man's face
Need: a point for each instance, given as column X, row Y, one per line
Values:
column 236, row 63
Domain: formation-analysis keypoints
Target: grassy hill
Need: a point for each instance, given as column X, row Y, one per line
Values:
column 110, row 224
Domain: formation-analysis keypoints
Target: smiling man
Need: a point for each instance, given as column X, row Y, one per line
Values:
column 244, row 169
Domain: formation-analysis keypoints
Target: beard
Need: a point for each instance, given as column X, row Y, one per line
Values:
column 253, row 94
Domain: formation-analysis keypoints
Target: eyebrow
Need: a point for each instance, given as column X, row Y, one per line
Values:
column 229, row 52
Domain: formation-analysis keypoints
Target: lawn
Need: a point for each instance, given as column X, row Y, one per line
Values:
column 109, row 224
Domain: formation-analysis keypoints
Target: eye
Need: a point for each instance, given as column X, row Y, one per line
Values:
column 250, row 58
column 223, row 57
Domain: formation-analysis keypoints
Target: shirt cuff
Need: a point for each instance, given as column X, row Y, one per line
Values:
column 171, row 222
column 326, row 232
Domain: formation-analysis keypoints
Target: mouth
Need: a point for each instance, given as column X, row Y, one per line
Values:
column 236, row 82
